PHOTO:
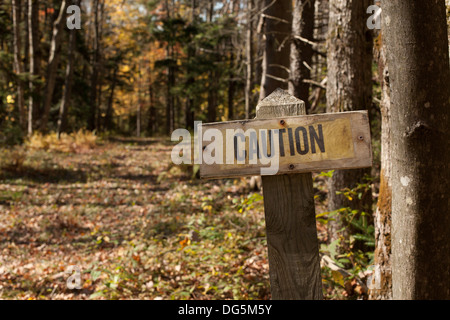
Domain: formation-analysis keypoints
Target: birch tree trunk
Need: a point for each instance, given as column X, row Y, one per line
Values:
column 418, row 59
column 349, row 88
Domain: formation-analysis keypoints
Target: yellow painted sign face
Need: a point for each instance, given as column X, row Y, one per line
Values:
column 286, row 145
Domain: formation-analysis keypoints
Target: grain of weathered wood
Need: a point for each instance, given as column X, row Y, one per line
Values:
column 290, row 223
column 346, row 136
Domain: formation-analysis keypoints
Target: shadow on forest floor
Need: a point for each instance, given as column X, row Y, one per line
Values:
column 134, row 140
column 45, row 175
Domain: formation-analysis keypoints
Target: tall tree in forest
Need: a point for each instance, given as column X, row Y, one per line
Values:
column 381, row 282
column 94, row 107
column 171, row 64
column 213, row 73
column 191, row 31
column 349, row 88
column 301, row 48
column 33, row 51
column 418, row 59
column 231, row 85
column 249, row 59
column 277, row 17
column 53, row 61
column 18, row 69
column 108, row 121
column 67, row 91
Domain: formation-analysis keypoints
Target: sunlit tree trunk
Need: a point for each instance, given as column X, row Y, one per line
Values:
column 418, row 59
column 381, row 281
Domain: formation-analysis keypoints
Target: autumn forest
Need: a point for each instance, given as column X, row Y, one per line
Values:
column 92, row 205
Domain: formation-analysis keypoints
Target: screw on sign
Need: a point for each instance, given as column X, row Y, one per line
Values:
column 299, row 144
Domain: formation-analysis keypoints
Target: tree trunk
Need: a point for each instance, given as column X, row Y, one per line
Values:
column 277, row 31
column 138, row 118
column 213, row 76
column 381, row 283
column 53, row 61
column 349, row 88
column 16, row 6
column 301, row 50
column 189, row 110
column 100, row 66
column 93, row 112
column 447, row 4
column 170, row 100
column 418, row 59
column 109, row 110
column 152, row 128
column 249, row 60
column 62, row 120
column 33, row 34
column 212, row 96
column 259, row 42
column 231, row 88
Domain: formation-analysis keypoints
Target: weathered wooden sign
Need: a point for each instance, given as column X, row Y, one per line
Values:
column 287, row 145
column 284, row 146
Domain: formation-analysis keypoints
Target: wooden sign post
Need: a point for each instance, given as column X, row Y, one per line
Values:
column 304, row 144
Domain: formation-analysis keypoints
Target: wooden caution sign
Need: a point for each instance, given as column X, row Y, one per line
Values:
column 300, row 144
column 284, row 145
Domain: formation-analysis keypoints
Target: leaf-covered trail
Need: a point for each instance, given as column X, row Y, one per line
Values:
column 133, row 224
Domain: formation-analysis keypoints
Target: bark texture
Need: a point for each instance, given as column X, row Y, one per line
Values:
column 277, row 29
column 67, row 92
column 349, row 88
column 249, row 59
column 93, row 112
column 33, row 52
column 418, row 59
column 301, row 48
column 381, row 283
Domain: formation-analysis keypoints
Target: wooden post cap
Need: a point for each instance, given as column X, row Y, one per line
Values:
column 280, row 104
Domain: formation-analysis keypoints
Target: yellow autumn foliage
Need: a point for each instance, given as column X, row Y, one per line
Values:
column 78, row 142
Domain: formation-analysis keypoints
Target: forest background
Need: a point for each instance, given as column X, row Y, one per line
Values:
column 85, row 121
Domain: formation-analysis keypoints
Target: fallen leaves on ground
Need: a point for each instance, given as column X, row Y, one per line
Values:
column 132, row 224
